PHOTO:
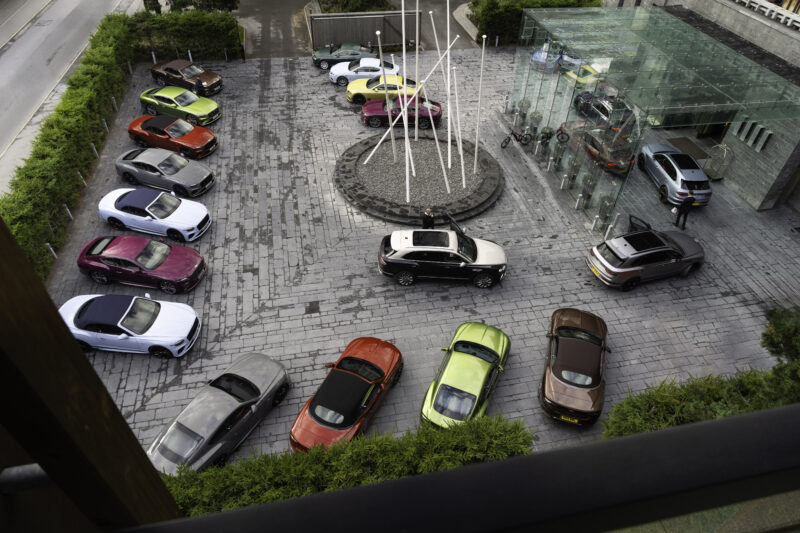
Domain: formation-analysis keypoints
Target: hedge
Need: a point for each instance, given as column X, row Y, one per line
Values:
column 362, row 461
column 48, row 180
column 354, row 6
column 503, row 18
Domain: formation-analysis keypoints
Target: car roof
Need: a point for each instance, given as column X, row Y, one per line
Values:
column 178, row 64
column 637, row 242
column 154, row 156
column 370, row 62
column 424, row 239
column 139, row 198
column 160, row 121
column 465, row 372
column 207, row 410
column 578, row 356
column 257, row 368
column 125, row 246
column 170, row 90
column 105, row 310
column 341, row 392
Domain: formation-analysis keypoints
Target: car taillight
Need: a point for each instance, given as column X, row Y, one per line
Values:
column 611, row 164
column 683, row 193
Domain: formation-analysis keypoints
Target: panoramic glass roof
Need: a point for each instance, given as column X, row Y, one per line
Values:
column 662, row 64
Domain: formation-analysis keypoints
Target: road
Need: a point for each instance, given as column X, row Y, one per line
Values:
column 426, row 28
column 274, row 29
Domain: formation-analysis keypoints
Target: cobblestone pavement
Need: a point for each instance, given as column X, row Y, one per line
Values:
column 293, row 268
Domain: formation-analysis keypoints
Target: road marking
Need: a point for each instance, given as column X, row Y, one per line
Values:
column 25, row 24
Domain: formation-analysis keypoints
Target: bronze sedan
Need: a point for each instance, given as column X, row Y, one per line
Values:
column 182, row 73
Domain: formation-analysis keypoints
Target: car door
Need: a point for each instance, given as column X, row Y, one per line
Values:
column 149, row 175
column 447, row 265
column 120, row 340
column 589, row 145
column 134, row 218
column 419, row 264
column 659, row 169
column 158, row 138
column 657, row 264
column 370, row 403
column 131, row 273
column 166, row 105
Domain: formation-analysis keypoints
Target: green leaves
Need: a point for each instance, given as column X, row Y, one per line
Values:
column 362, row 461
column 502, row 18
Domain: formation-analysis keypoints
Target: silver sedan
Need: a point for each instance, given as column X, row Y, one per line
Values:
column 221, row 416
column 677, row 175
column 165, row 170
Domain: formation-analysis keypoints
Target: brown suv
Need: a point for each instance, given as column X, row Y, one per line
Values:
column 182, row 73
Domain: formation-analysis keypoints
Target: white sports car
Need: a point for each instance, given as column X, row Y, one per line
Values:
column 368, row 67
column 130, row 324
column 155, row 212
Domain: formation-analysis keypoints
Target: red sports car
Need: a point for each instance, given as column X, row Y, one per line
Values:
column 350, row 395
column 170, row 133
column 143, row 262
column 373, row 113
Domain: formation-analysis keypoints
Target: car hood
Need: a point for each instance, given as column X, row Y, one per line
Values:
column 378, row 352
column 207, row 78
column 489, row 253
column 192, row 174
column 485, row 335
column 340, row 69
column 174, row 321
column 197, row 138
column 691, row 248
column 180, row 263
column 579, row 399
column 189, row 213
column 359, row 85
column 202, row 106
column 576, row 318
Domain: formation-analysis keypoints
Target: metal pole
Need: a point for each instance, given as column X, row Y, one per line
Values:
column 105, row 124
column 114, row 103
column 458, row 132
column 50, row 249
column 478, row 120
column 94, row 150
column 152, row 53
column 69, row 214
column 438, row 148
column 578, row 203
column 595, row 222
column 538, row 144
column 449, row 156
column 416, row 72
column 190, row 56
column 550, row 164
column 386, row 94
column 438, row 51
column 81, row 177
column 496, row 40
column 130, row 69
column 610, row 227
column 405, row 107
column 564, row 182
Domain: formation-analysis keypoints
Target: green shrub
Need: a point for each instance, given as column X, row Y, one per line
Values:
column 781, row 338
column 354, row 6
column 362, row 461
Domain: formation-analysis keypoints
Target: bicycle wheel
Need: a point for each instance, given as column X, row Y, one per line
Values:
column 525, row 139
column 505, row 142
column 562, row 136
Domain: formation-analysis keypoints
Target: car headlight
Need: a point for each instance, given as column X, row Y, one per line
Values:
column 182, row 280
column 424, row 418
column 178, row 343
column 503, row 268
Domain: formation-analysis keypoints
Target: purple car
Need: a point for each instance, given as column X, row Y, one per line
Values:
column 374, row 114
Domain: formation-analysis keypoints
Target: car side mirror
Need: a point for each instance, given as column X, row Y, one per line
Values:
column 444, row 349
column 608, row 349
column 500, row 368
column 463, row 264
column 147, row 295
column 329, row 365
column 122, row 336
column 149, row 217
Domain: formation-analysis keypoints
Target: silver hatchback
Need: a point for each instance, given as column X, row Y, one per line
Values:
column 626, row 261
column 677, row 175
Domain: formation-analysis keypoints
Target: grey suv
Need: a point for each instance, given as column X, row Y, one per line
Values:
column 677, row 175
column 626, row 261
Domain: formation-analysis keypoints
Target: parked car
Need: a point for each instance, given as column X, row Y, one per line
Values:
column 119, row 323
column 450, row 254
column 332, row 54
column 155, row 212
column 582, row 75
column 174, row 134
column 358, row 69
column 467, row 376
column 143, row 262
column 677, row 175
column 181, row 103
column 182, row 73
column 553, row 58
column 350, row 394
column 374, row 114
column 162, row 169
column 573, row 385
column 613, row 153
column 359, row 91
column 606, row 111
column 643, row 255
column 222, row 415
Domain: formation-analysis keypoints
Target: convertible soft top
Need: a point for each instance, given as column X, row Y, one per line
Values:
column 104, row 310
column 139, row 198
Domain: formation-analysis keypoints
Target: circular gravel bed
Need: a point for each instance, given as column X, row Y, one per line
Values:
column 379, row 187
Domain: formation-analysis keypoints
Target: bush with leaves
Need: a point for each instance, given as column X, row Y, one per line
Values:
column 362, row 461
column 355, row 6
column 782, row 336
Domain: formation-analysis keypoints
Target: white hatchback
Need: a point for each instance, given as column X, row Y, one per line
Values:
column 343, row 73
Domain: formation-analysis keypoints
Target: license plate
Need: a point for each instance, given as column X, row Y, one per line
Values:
column 696, row 203
column 569, row 419
column 596, row 273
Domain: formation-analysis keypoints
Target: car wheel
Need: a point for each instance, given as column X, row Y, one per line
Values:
column 181, row 191
column 150, row 109
column 99, row 277
column 631, row 284
column 141, row 142
column 640, row 162
column 280, row 394
column 130, row 178
column 161, row 81
column 116, row 224
column 341, row 81
column 85, row 346
column 324, row 65
column 359, row 99
column 175, row 235
column 689, row 269
column 405, row 278
column 168, row 287
column 424, row 123
column 375, row 122
column 396, row 376
column 159, row 351
column 525, row 139
column 484, row 280
column 663, row 195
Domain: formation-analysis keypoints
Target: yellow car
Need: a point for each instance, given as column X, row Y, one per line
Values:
column 585, row 75
column 359, row 91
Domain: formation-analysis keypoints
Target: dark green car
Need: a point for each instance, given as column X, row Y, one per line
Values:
column 327, row 56
column 181, row 103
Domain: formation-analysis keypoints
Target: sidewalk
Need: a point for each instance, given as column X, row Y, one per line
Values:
column 461, row 14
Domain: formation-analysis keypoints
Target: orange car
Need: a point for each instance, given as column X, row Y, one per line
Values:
column 175, row 134
column 350, row 395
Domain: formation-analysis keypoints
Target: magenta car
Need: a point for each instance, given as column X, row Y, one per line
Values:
column 143, row 262
column 374, row 113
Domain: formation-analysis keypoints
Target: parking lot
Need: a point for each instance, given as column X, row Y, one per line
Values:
column 293, row 267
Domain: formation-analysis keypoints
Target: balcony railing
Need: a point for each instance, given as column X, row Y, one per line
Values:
column 774, row 12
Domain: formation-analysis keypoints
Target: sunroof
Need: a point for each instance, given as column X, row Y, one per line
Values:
column 440, row 239
column 644, row 241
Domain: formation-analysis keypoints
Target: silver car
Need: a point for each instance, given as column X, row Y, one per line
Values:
column 626, row 261
column 165, row 170
column 367, row 67
column 677, row 175
column 221, row 416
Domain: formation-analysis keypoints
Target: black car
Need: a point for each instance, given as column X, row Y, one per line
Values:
column 450, row 254
column 327, row 56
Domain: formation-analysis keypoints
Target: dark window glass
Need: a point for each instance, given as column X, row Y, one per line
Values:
column 482, row 352
column 179, row 443
column 685, row 162
column 99, row 246
column 454, row 403
column 363, row 368
column 153, row 255
column 141, row 315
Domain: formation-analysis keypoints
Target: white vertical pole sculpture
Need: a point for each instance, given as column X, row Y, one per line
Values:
column 438, row 148
column 416, row 74
column 478, row 120
column 449, row 156
column 438, row 51
column 458, row 132
column 386, row 94
column 404, row 109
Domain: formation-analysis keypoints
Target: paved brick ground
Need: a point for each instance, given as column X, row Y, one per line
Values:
column 293, row 266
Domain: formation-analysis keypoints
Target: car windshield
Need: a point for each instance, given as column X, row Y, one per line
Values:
column 186, row 98
column 467, row 247
column 684, row 161
column 153, row 255
column 429, row 105
column 695, row 185
column 454, row 403
column 99, row 246
column 172, row 164
column 373, row 82
column 354, row 64
column 164, row 205
column 363, row 368
column 179, row 128
column 477, row 350
column 236, row 386
column 191, row 71
column 328, row 415
column 179, row 443
column 609, row 255
column 141, row 315
column 579, row 334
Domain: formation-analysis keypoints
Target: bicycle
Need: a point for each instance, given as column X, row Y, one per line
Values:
column 522, row 137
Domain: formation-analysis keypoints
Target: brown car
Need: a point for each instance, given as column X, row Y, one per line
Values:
column 182, row 73
column 573, row 385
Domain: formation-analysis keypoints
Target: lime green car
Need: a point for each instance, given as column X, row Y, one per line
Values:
column 181, row 103
column 359, row 91
column 467, row 375
column 585, row 75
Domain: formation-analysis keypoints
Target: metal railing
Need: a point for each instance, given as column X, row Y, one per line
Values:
column 774, row 12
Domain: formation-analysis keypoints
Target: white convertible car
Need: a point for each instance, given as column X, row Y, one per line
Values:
column 343, row 73
column 130, row 324
column 155, row 212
